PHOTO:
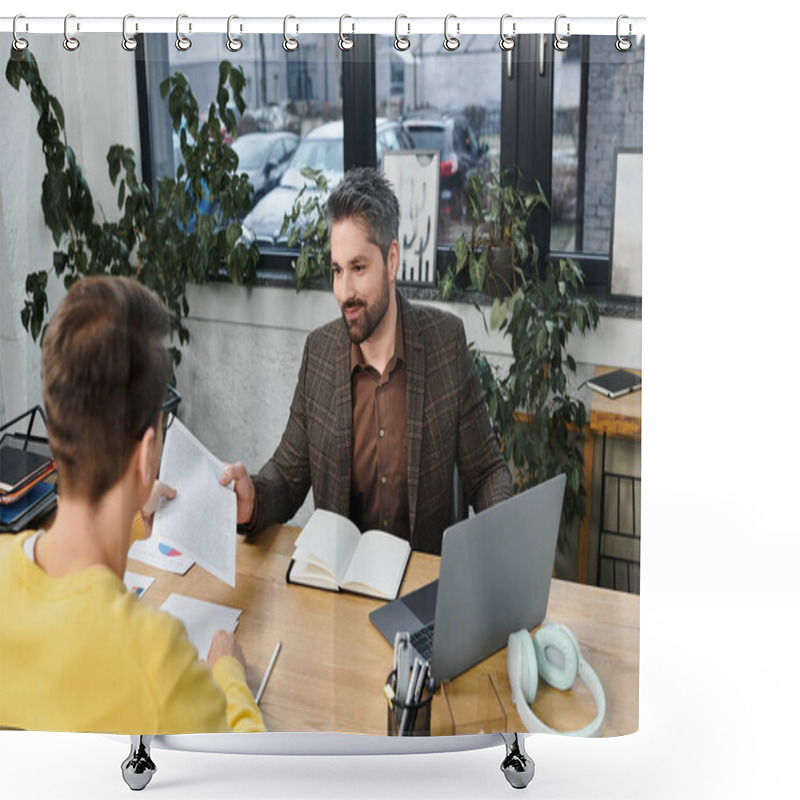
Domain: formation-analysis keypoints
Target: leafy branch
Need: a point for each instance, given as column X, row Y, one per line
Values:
column 532, row 411
column 187, row 233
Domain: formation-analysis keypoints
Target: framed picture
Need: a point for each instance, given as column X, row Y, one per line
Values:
column 414, row 174
column 626, row 224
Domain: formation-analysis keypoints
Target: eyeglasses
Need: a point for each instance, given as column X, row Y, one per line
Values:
column 167, row 410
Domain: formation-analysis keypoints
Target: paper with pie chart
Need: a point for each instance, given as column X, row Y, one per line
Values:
column 161, row 555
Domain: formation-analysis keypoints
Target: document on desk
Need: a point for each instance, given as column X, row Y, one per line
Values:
column 201, row 619
column 201, row 520
column 138, row 584
column 161, row 555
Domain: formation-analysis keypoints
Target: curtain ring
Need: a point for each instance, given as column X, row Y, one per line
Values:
column 183, row 43
column 622, row 44
column 560, row 43
column 70, row 42
column 129, row 43
column 507, row 42
column 345, row 43
column 289, row 44
column 451, row 43
column 19, row 43
column 401, row 43
column 233, row 44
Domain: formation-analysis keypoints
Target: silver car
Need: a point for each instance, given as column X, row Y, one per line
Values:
column 322, row 149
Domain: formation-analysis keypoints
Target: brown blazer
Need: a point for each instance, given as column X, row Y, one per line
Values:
column 447, row 425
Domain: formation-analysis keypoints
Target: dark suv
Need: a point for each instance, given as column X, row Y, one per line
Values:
column 460, row 155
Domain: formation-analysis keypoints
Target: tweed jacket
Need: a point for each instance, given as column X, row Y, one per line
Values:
column 447, row 425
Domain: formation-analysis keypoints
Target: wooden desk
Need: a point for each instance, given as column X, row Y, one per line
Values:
column 621, row 418
column 333, row 663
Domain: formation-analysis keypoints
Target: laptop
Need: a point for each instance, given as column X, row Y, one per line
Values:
column 494, row 579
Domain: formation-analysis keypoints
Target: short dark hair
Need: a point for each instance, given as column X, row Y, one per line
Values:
column 104, row 372
column 366, row 194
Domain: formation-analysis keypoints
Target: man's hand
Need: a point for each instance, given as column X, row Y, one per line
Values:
column 225, row 644
column 151, row 504
column 244, row 489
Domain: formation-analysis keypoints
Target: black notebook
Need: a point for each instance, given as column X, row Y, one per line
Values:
column 616, row 383
column 17, row 465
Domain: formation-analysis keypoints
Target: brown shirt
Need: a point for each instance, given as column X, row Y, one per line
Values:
column 379, row 489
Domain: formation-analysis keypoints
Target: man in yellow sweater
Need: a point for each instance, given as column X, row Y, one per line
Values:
column 77, row 651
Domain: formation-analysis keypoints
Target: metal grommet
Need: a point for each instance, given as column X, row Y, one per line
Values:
column 622, row 44
column 451, row 43
column 507, row 42
column 289, row 44
column 560, row 43
column 70, row 42
column 401, row 43
column 183, row 43
column 233, row 44
column 345, row 43
column 19, row 43
column 129, row 43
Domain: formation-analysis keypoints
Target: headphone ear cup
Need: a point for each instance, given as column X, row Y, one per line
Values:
column 559, row 674
column 522, row 665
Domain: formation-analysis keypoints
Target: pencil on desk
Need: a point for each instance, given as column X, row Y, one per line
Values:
column 267, row 673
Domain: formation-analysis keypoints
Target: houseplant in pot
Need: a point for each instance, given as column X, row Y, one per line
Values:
column 498, row 243
column 535, row 416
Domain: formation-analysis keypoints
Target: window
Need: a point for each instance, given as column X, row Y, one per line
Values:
column 449, row 102
column 557, row 117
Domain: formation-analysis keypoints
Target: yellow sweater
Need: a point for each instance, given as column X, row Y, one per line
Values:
column 81, row 653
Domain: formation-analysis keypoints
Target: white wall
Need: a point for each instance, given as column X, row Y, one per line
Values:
column 96, row 87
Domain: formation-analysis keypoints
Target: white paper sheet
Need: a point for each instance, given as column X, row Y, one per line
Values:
column 202, row 619
column 159, row 554
column 201, row 520
column 138, row 584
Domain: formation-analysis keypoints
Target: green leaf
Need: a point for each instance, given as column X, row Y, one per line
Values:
column 14, row 69
column 232, row 233
column 498, row 313
column 461, row 252
column 541, row 341
column 447, row 284
column 477, row 271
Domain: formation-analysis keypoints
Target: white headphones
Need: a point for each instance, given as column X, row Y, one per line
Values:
column 527, row 659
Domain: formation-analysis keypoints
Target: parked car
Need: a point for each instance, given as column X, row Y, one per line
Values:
column 460, row 155
column 263, row 157
column 322, row 149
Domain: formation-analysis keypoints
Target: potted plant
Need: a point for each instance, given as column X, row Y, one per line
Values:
column 498, row 244
column 537, row 420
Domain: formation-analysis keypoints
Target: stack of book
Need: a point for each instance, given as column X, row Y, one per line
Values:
column 27, row 474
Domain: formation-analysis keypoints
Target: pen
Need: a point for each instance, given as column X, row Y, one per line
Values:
column 403, row 667
column 267, row 673
column 405, row 719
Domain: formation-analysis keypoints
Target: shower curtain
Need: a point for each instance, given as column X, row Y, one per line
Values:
column 565, row 120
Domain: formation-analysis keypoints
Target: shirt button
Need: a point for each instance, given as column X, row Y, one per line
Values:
column 381, row 433
column 383, row 479
column 386, row 523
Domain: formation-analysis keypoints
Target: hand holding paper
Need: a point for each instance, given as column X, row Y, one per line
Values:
column 201, row 520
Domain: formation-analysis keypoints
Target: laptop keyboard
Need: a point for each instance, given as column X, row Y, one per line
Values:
column 422, row 641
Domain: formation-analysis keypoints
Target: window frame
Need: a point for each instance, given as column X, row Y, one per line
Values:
column 526, row 139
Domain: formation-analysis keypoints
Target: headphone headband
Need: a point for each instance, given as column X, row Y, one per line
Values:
column 524, row 668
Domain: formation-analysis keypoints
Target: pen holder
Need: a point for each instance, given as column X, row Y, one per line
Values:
column 409, row 719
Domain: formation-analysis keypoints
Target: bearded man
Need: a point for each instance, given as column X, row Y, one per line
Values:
column 388, row 400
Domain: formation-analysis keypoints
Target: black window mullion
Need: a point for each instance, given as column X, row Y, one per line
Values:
column 527, row 139
column 358, row 103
